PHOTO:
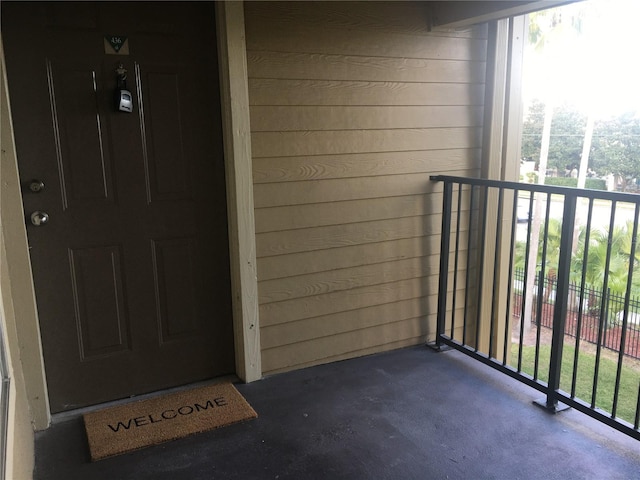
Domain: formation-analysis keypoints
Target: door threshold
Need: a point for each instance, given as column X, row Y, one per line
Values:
column 78, row 412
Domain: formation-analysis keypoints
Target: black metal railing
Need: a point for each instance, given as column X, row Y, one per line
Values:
column 583, row 243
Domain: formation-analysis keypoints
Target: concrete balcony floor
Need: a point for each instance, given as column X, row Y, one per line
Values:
column 406, row 414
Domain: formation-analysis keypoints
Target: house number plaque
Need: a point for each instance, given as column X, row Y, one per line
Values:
column 116, row 45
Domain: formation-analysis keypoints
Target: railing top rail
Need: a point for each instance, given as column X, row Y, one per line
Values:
column 530, row 187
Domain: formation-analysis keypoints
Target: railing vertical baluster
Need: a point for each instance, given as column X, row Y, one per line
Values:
column 467, row 285
column 512, row 240
column 540, row 308
column 456, row 263
column 603, row 307
column 539, row 318
column 636, row 422
column 496, row 267
column 480, row 275
column 560, row 308
column 525, row 286
column 583, row 279
column 625, row 319
column 444, row 260
column 611, row 299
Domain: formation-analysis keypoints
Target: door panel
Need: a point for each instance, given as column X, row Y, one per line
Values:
column 168, row 176
column 83, row 157
column 174, row 266
column 101, row 312
column 132, row 270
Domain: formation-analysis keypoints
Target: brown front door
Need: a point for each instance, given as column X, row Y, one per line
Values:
column 131, row 269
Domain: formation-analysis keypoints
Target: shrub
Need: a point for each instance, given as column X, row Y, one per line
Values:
column 596, row 183
column 591, row 183
column 561, row 181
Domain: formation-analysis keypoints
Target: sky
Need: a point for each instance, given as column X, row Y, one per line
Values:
column 597, row 69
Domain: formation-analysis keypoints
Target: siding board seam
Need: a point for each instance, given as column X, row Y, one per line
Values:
column 462, row 173
column 460, row 290
column 328, row 225
column 465, row 173
column 311, row 155
column 404, row 320
column 386, row 347
column 422, row 337
column 436, row 238
column 358, row 177
column 439, row 34
column 419, row 235
column 364, row 130
column 391, row 262
column 338, row 80
column 474, row 57
column 373, row 105
column 429, row 317
column 338, row 282
column 359, row 55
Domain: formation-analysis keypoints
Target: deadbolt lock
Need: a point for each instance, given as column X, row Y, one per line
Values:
column 36, row 186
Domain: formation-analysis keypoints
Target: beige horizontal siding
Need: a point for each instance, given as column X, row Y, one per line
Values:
column 324, row 326
column 279, row 365
column 302, row 263
column 300, row 118
column 371, row 164
column 353, row 211
column 313, row 66
column 351, row 344
column 307, row 239
column 315, row 30
column 266, row 91
column 334, row 190
column 353, row 107
column 284, row 144
column 347, row 345
column 347, row 278
column 281, row 266
column 405, row 18
column 342, row 301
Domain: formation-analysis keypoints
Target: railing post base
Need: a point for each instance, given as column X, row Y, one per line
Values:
column 557, row 408
column 438, row 347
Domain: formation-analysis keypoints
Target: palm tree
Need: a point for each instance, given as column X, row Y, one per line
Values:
column 595, row 268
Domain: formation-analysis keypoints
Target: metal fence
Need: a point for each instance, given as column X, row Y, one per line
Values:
column 592, row 324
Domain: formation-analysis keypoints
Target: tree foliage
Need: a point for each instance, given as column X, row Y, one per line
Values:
column 567, row 133
column 615, row 148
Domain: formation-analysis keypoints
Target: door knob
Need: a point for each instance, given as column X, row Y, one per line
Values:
column 39, row 218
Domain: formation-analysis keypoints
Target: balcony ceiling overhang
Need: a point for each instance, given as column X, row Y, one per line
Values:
column 457, row 14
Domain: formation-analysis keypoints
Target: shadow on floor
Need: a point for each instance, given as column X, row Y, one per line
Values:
column 407, row 414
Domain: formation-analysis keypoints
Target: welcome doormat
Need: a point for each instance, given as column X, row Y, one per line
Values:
column 120, row 429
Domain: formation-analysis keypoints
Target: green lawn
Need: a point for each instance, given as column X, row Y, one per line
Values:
column 629, row 380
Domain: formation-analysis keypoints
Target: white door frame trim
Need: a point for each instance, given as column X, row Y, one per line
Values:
column 234, row 87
